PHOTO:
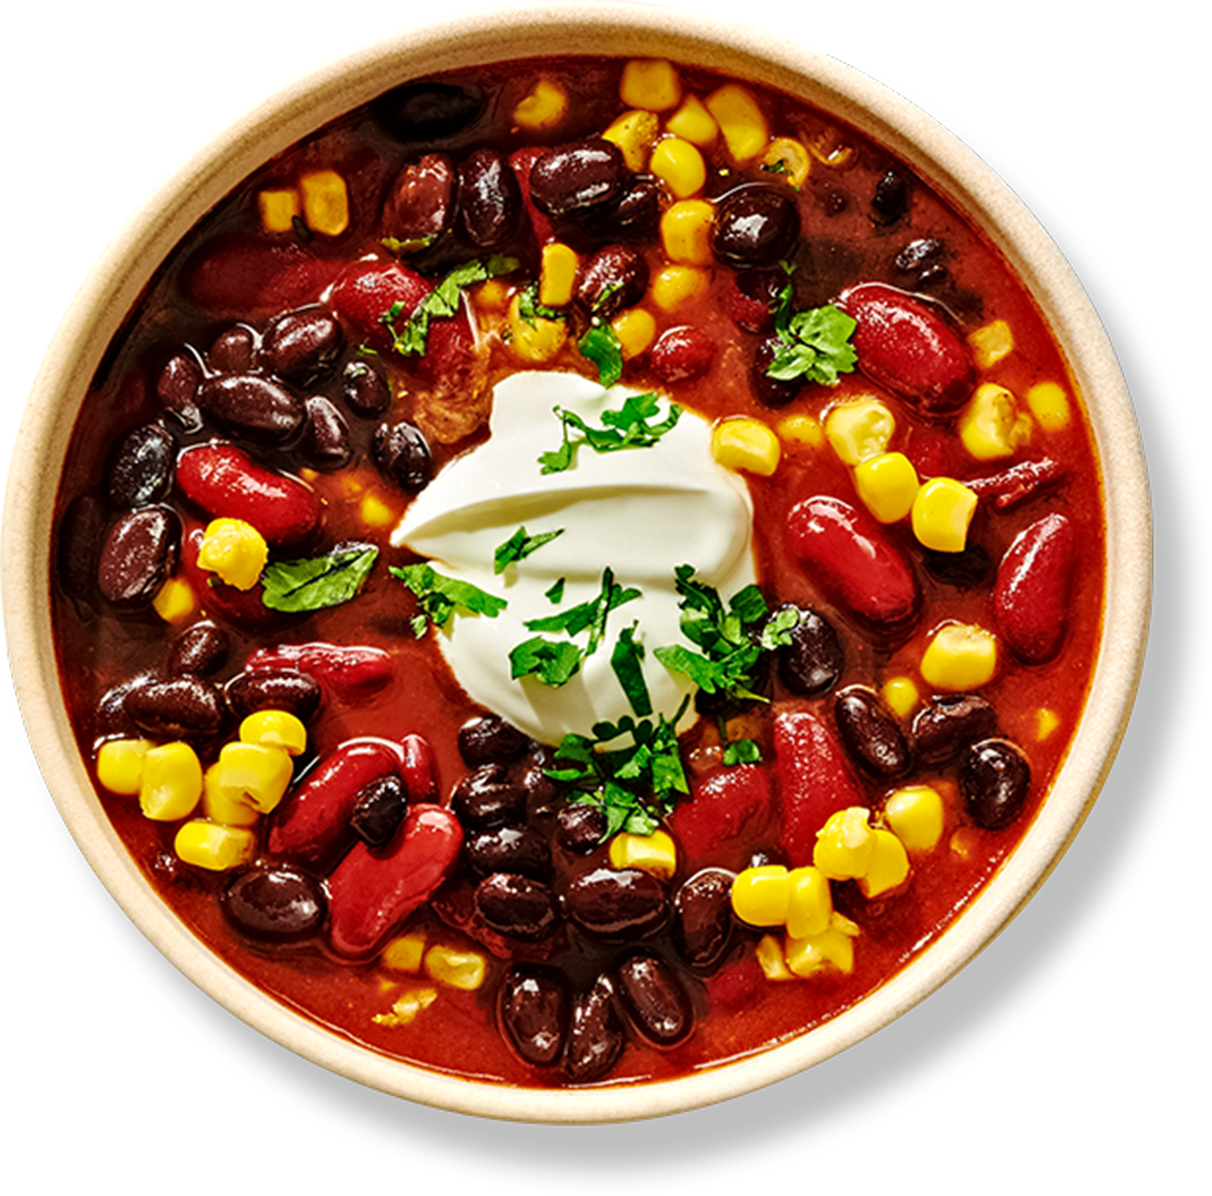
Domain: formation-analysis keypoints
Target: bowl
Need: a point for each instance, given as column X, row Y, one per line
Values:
column 498, row 35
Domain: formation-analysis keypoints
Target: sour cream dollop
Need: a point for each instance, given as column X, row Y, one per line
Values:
column 641, row 512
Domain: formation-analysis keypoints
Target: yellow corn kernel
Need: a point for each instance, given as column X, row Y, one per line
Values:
column 746, row 444
column 991, row 425
column 492, row 295
column 942, row 511
column 213, row 846
column 407, row 1007
column 789, row 158
column 692, row 122
column 740, row 120
column 235, row 550
column 634, row 132
column 220, row 806
column 915, row 814
column 760, row 896
column 255, row 774
column 679, row 165
column 171, row 784
column 404, row 954
column 675, row 286
column 991, row 343
column 810, row 903
column 275, row 728
column 901, row 695
column 888, row 868
column 887, row 486
column 830, row 949
column 845, row 844
column 801, row 431
column 455, row 968
column 960, row 656
column 653, row 853
column 686, row 232
column 325, row 202
column 278, row 208
column 557, row 274
column 374, row 512
column 827, row 150
column 770, row 958
column 1050, row 406
column 543, row 107
column 635, row 329
column 120, row 765
column 859, row 429
column 1046, row 721
column 650, row 83
column 535, row 342
column 175, row 601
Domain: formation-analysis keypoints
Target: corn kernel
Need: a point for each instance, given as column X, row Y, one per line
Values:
column 830, row 949
column 635, row 329
column 901, row 695
column 810, row 903
column 254, row 774
column 770, row 958
column 275, row 728
column 692, row 122
column 534, row 343
column 845, row 844
column 680, row 166
column 278, row 208
column 675, row 286
column 991, row 425
column 801, row 431
column 235, row 550
column 827, row 150
column 325, row 202
column 760, row 895
column 915, row 814
column 404, row 954
column 557, row 274
column 1046, row 721
column 213, row 846
column 220, row 806
column 492, row 294
column 942, row 511
column 887, row 486
column 455, row 968
column 120, row 765
column 686, row 232
column 789, row 158
column 175, row 601
column 960, row 656
column 859, row 429
column 407, row 1007
column 991, row 343
column 1050, row 406
column 543, row 108
column 746, row 444
column 374, row 512
column 740, row 120
column 171, row 784
column 655, row 853
column 888, row 868
column 650, row 83
column 634, row 132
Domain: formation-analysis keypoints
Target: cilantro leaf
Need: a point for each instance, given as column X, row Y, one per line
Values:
column 814, row 344
column 626, row 661
column 553, row 662
column 317, row 582
column 555, row 593
column 519, row 546
column 438, row 596
column 601, row 345
column 631, row 426
column 742, row 751
column 778, row 629
column 591, row 614
column 531, row 310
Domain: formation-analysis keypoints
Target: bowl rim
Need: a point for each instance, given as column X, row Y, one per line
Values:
column 518, row 31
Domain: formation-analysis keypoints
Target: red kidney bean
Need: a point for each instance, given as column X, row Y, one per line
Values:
column 572, row 179
column 485, row 798
column 755, row 226
column 616, row 905
column 275, row 902
column 326, row 441
column 654, row 998
column 751, row 297
column 302, row 345
column 379, row 810
column 609, row 280
column 870, row 734
column 580, row 829
column 596, row 1037
column 139, row 470
column 489, row 739
column 226, row 483
column 177, row 708
column 368, row 291
column 518, row 849
column 370, row 893
column 853, row 559
column 177, row 389
column 1005, row 490
column 365, row 389
column 274, row 689
column 948, row 724
column 319, row 809
column 995, row 780
column 402, row 455
column 532, row 1008
column 233, row 351
column 138, row 556
column 1031, row 595
column 426, row 111
column 246, row 274
column 81, row 535
column 420, row 208
column 519, row 907
column 681, row 354
column 812, row 663
column 814, row 779
column 350, row 672
column 253, row 407
column 908, row 347
column 201, row 649
column 702, row 918
column 489, row 200
column 728, row 809
column 418, row 769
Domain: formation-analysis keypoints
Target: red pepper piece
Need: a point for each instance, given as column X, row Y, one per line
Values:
column 351, row 672
column 1031, row 596
column 318, row 811
column 371, row 893
column 418, row 770
column 522, row 162
column 1020, row 482
column 242, row 274
column 815, row 781
column 852, row 558
column 725, row 815
column 227, row 483
column 907, row 346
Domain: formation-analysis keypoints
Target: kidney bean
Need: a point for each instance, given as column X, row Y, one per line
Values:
column 275, row 902
column 771, row 392
column 853, row 559
column 516, row 906
column 521, row 162
column 319, row 809
column 964, row 570
column 326, row 441
column 616, row 905
column 1031, row 595
column 379, row 810
column 138, row 556
column 367, row 291
column 253, row 407
column 654, row 998
column 139, row 470
column 301, row 345
column 201, row 649
column 751, row 296
column 418, row 768
column 365, row 389
column 177, row 389
column 908, row 347
column 350, row 672
column 226, row 483
column 1027, row 479
column 870, row 734
column 489, row 200
column 891, row 198
column 681, row 354
column 573, row 179
column 489, row 739
column 729, row 807
column 177, row 708
column 948, row 724
column 243, row 273
column 812, row 663
column 702, row 918
column 428, row 111
column 755, row 226
column 995, row 780
column 596, row 1037
column 532, row 1008
column 634, row 216
column 611, row 279
column 420, row 208
column 233, row 351
column 580, row 829
column 81, row 535
column 370, row 893
column 402, row 455
column 485, row 798
column 274, row 689
column 814, row 780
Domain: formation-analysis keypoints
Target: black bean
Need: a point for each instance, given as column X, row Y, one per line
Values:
column 379, row 810
column 177, row 388
column 177, row 707
column 491, row 740
column 542, row 793
column 326, row 441
column 948, row 724
column 81, row 534
column 634, row 216
column 489, row 199
column 201, row 649
column 702, row 918
column 964, row 570
column 595, row 1034
column 654, row 998
column 519, row 849
column 573, row 179
column 253, row 407
column 402, row 455
column 365, row 389
column 580, row 829
column 891, row 198
column 611, row 279
column 755, row 226
column 771, row 392
column 995, row 780
column 233, row 351
column 812, row 663
column 486, row 798
column 532, row 1008
column 870, row 734
column 137, row 557
column 516, row 906
column 616, row 904
column 427, row 111
column 274, row 689
column 141, row 468
column 302, row 345
column 753, row 298
column 276, row 902
column 421, row 206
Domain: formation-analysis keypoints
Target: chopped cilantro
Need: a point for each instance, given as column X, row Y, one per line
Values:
column 627, row 662
column 317, row 582
column 519, row 546
column 815, row 344
column 555, row 593
column 627, row 428
column 301, row 230
column 553, row 662
column 600, row 344
column 742, row 751
column 438, row 596
column 531, row 310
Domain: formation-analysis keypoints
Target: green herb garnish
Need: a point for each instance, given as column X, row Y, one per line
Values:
column 438, row 596
column 627, row 662
column 555, row 592
column 531, row 310
column 553, row 662
column 629, row 427
column 814, row 344
column 601, row 345
column 317, row 582
column 742, row 751
column 519, row 546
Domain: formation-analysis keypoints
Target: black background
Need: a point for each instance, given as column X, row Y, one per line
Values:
column 1052, row 1022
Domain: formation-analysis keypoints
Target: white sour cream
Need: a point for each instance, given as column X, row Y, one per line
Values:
column 642, row 512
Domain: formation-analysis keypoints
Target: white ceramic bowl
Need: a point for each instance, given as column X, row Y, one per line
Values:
column 499, row 34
